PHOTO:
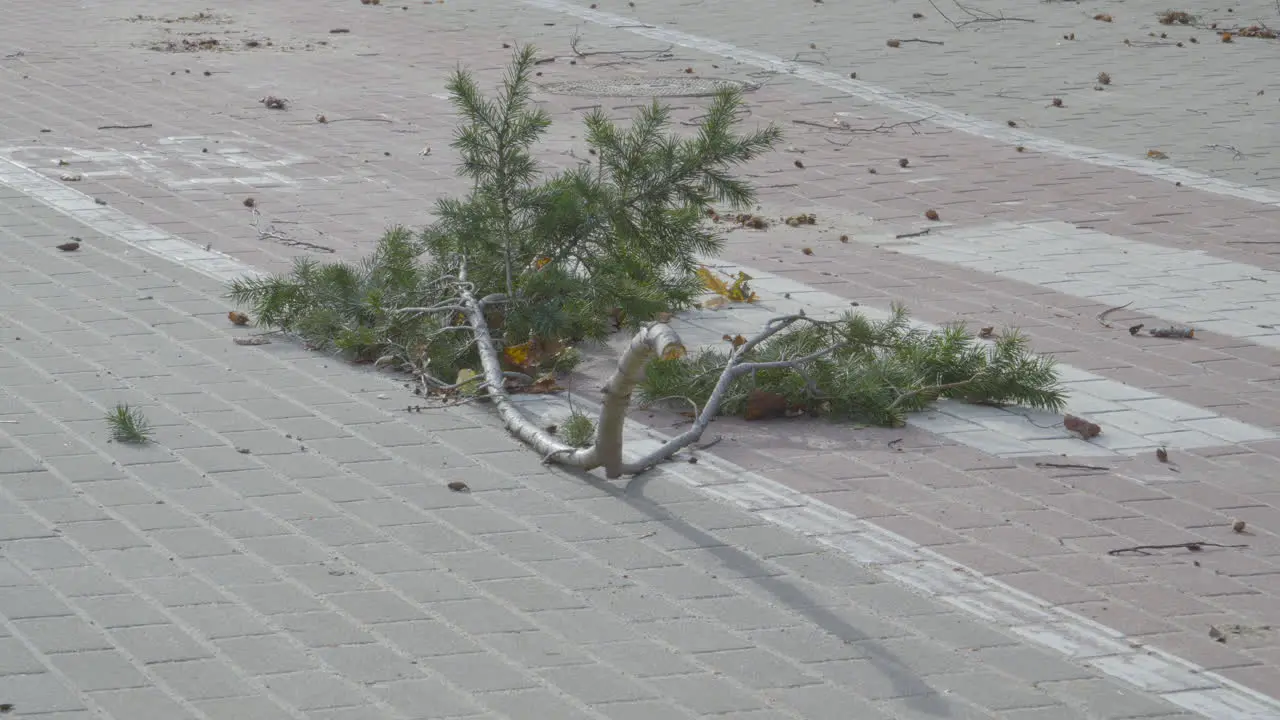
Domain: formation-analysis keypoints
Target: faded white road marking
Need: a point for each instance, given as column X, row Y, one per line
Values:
column 905, row 104
column 180, row 162
column 1185, row 287
column 1179, row 682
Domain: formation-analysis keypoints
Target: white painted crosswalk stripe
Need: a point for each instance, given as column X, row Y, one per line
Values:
column 1179, row 287
column 1135, row 420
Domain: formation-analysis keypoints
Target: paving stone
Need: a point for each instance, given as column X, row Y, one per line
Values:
column 159, row 643
column 99, row 670
column 202, row 679
column 140, row 702
column 411, row 696
column 451, row 578
column 265, row 654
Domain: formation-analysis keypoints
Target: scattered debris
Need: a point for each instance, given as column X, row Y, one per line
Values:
column 1176, row 17
column 798, row 220
column 1256, row 31
column 252, row 340
column 903, row 162
column 271, row 233
column 1085, row 429
column 1135, row 329
column 988, row 332
column 1071, row 466
column 124, row 127
column 799, row 164
column 71, row 177
column 1218, row 635
column 339, row 31
column 1238, row 527
column 275, row 103
column 1102, row 316
column 69, row 246
column 1162, row 455
column 1193, row 546
column 765, row 405
column 1157, row 155
column 975, row 16
column 739, row 291
column 238, row 318
column 1235, row 151
column 187, row 45
column 458, row 486
column 931, row 214
column 1104, row 78
column 1057, row 102
column 1173, row 332
column 899, row 236
column 898, row 43
column 99, row 201
column 1103, row 17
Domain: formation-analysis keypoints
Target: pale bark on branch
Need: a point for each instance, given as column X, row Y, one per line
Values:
column 653, row 341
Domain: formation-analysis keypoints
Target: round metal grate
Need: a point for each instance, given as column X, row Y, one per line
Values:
column 648, row 87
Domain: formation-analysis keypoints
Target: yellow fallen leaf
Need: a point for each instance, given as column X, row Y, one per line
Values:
column 518, row 355
column 712, row 282
column 466, row 381
column 739, row 291
column 674, row 351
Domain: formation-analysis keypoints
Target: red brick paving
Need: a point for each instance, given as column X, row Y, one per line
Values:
column 1042, row 530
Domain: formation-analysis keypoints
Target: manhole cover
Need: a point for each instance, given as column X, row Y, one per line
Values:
column 648, row 87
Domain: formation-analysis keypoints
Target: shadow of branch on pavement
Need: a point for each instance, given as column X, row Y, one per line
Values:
column 913, row 690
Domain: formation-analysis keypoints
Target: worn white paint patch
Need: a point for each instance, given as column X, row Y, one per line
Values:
column 907, row 105
column 1183, row 287
column 1135, row 420
column 179, row 163
column 119, row 225
column 1184, row 684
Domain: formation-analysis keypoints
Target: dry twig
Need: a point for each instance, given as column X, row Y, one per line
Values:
column 1102, row 316
column 842, row 127
column 1193, row 546
column 628, row 55
column 975, row 16
column 270, row 233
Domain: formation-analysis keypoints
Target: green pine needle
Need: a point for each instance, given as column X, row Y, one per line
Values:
column 578, row 431
column 128, row 425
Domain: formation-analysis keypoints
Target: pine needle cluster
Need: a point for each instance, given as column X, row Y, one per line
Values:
column 609, row 245
column 876, row 372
